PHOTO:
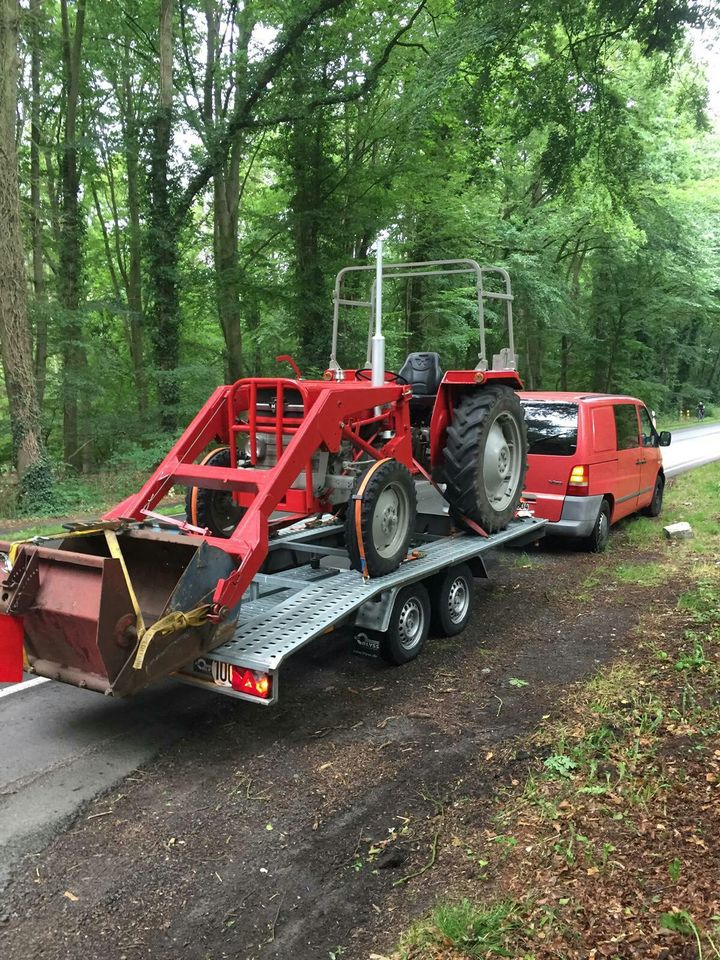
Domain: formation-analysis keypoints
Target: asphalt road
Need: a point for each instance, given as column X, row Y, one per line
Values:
column 692, row 447
column 60, row 746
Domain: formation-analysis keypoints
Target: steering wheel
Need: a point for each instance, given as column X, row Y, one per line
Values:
column 366, row 374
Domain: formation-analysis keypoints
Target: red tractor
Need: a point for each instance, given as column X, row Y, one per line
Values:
column 127, row 601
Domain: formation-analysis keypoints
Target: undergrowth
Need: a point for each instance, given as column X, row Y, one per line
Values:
column 613, row 849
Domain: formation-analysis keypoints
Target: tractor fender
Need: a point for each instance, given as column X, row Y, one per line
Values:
column 455, row 384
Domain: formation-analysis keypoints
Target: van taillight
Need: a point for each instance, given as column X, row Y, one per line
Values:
column 579, row 480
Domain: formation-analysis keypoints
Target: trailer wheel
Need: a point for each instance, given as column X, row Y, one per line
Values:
column 214, row 509
column 409, row 625
column 380, row 518
column 486, row 457
column 451, row 597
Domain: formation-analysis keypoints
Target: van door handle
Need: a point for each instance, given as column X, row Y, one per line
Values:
column 640, row 462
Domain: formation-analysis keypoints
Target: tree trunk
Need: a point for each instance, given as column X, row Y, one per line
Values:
column 163, row 229
column 227, row 276
column 307, row 162
column 134, row 269
column 41, row 314
column 564, row 361
column 71, row 243
column 14, row 329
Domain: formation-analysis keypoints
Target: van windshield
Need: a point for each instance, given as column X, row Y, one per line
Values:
column 552, row 427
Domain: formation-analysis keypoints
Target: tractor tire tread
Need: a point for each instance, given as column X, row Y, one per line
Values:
column 460, row 469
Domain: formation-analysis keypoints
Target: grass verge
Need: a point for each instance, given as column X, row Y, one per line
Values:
column 609, row 846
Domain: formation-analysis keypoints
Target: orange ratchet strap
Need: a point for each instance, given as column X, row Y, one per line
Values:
column 358, row 498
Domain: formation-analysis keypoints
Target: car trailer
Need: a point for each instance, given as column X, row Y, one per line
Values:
column 114, row 605
column 315, row 592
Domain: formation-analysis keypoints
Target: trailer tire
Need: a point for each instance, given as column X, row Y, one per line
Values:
column 380, row 518
column 409, row 625
column 215, row 510
column 485, row 457
column 451, row 598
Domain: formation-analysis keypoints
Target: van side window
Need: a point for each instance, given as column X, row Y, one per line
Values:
column 626, row 424
column 649, row 436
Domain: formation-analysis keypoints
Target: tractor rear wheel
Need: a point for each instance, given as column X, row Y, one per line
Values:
column 486, row 457
column 213, row 509
column 380, row 518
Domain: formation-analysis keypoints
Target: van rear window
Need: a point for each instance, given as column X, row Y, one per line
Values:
column 552, row 427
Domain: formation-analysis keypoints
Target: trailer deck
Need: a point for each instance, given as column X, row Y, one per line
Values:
column 282, row 612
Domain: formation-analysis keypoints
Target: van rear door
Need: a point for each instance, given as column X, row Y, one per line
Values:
column 552, row 444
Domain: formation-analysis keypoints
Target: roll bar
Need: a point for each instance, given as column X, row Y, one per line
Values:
column 506, row 359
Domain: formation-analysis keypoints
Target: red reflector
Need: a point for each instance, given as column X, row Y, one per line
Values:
column 252, row 682
column 11, row 649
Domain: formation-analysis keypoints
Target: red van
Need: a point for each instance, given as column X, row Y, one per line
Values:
column 592, row 459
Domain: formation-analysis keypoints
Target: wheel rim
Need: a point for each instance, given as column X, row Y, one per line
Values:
column 390, row 520
column 411, row 623
column 502, row 465
column 458, row 600
column 224, row 513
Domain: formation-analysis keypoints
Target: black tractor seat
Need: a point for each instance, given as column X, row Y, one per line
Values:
column 422, row 371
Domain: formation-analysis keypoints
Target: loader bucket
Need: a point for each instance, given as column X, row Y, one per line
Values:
column 76, row 606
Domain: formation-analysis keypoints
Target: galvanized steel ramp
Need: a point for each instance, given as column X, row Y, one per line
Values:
column 298, row 605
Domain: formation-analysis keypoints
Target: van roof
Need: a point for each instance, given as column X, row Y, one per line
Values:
column 570, row 396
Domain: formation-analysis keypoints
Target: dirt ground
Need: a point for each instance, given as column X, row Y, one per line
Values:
column 313, row 830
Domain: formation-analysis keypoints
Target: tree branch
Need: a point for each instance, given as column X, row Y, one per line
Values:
column 242, row 118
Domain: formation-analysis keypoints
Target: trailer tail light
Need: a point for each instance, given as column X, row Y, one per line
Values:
column 579, row 480
column 254, row 683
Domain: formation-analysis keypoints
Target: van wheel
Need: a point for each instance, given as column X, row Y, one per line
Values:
column 451, row 596
column 654, row 508
column 600, row 536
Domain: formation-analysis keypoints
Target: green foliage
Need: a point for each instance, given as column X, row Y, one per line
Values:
column 38, row 493
column 560, row 765
column 572, row 146
column 479, row 931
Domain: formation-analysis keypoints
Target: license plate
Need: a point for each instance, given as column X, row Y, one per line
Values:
column 221, row 673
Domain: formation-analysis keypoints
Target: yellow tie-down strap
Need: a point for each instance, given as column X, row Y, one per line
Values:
column 15, row 546
column 170, row 623
column 116, row 552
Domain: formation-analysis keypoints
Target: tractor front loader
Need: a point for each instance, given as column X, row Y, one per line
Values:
column 115, row 605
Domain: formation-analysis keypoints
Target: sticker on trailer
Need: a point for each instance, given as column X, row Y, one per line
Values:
column 203, row 667
column 222, row 673
column 365, row 645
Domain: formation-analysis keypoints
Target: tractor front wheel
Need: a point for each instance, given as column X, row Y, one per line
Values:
column 380, row 518
column 486, row 457
column 213, row 509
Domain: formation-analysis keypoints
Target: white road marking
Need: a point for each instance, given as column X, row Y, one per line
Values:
column 25, row 685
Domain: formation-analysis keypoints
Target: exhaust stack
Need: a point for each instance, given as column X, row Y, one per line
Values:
column 378, row 340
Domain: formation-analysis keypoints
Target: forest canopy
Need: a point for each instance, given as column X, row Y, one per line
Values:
column 189, row 177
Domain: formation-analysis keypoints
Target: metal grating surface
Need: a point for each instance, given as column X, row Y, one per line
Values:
column 265, row 641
